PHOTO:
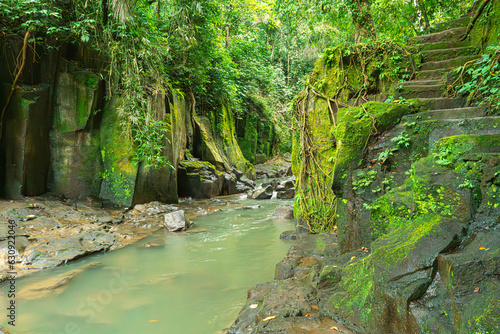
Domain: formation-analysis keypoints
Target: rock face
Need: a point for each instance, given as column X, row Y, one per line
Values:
column 62, row 134
column 176, row 221
column 256, row 132
column 25, row 142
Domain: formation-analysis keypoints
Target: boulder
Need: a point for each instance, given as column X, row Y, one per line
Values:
column 286, row 194
column 291, row 235
column 55, row 251
column 283, row 212
column 262, row 193
column 242, row 187
column 285, row 185
column 199, row 179
column 176, row 221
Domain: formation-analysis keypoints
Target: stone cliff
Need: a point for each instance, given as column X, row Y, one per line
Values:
column 61, row 134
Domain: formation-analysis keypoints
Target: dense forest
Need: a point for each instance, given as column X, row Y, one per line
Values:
column 376, row 123
column 248, row 54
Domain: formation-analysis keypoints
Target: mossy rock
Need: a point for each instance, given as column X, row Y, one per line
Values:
column 76, row 164
column 354, row 128
column 353, row 299
column 117, row 150
column 77, row 98
column 486, row 30
column 469, row 280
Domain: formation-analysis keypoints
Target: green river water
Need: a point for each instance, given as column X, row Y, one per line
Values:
column 191, row 283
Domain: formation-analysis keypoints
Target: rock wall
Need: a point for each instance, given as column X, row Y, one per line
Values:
column 61, row 133
column 256, row 133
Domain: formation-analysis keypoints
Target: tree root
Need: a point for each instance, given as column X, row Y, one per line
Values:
column 474, row 19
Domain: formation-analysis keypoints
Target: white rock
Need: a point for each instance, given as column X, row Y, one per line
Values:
column 176, row 221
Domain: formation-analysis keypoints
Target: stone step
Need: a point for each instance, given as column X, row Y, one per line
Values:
column 432, row 74
column 443, row 45
column 456, row 23
column 441, row 103
column 452, row 114
column 442, row 54
column 480, row 145
column 436, row 129
column 448, row 63
column 420, row 82
column 419, row 91
column 449, row 35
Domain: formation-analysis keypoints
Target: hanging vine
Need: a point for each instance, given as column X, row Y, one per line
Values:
column 337, row 81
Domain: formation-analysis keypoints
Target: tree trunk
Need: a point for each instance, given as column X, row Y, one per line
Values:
column 363, row 21
column 423, row 10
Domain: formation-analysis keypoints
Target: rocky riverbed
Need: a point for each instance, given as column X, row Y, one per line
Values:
column 50, row 231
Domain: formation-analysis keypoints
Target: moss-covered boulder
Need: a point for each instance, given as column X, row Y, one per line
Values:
column 199, row 179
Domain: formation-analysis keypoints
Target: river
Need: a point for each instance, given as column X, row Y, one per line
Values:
column 185, row 283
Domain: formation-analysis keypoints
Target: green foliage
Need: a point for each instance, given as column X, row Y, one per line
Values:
column 363, row 179
column 50, row 19
column 480, row 82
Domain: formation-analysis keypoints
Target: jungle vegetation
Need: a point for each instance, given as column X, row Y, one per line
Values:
column 236, row 52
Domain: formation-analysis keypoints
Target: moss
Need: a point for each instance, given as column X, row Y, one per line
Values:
column 196, row 165
column 450, row 150
column 486, row 30
column 75, row 100
column 390, row 249
column 354, row 298
column 355, row 126
column 391, row 210
column 119, row 174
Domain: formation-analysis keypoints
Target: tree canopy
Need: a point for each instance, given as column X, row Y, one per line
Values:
column 223, row 51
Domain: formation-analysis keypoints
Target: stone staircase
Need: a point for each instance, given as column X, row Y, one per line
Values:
column 440, row 116
column 443, row 51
